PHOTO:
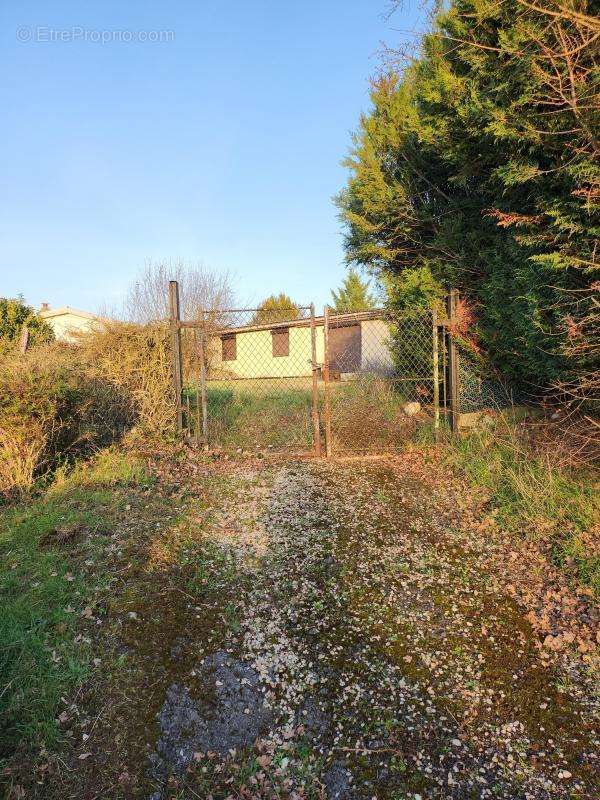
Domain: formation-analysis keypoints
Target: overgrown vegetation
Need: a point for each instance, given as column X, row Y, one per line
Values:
column 556, row 505
column 478, row 167
column 16, row 315
column 136, row 359
column 59, row 402
column 52, row 409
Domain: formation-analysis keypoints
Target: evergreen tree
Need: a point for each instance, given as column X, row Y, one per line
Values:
column 276, row 308
column 14, row 316
column 479, row 167
column 353, row 294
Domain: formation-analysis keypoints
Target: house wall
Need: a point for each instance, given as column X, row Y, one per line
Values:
column 65, row 325
column 255, row 359
column 375, row 347
column 255, row 355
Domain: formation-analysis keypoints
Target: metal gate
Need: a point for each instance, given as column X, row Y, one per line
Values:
column 247, row 378
column 252, row 379
column 381, row 378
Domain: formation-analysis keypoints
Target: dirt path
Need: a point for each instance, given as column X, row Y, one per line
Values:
column 313, row 630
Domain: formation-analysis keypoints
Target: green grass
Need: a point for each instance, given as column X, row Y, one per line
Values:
column 248, row 413
column 366, row 413
column 534, row 498
column 51, row 552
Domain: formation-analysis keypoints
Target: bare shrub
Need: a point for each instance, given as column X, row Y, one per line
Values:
column 60, row 401
column 200, row 289
column 51, row 409
column 136, row 360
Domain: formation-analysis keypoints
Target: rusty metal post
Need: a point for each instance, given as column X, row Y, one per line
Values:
column 453, row 374
column 444, row 370
column 327, row 407
column 176, row 350
column 197, row 421
column 203, row 383
column 315, row 387
column 436, row 375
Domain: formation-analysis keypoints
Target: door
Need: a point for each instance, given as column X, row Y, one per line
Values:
column 344, row 347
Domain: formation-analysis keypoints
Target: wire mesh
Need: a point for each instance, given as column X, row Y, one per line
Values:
column 481, row 388
column 382, row 377
column 256, row 391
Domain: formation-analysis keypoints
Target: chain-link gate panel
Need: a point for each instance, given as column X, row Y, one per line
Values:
column 249, row 378
column 383, row 378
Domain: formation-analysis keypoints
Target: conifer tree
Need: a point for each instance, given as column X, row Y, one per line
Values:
column 479, row 166
column 353, row 294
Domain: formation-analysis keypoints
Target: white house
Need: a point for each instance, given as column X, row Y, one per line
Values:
column 358, row 342
column 66, row 321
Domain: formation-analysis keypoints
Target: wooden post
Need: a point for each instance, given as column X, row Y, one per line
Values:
column 176, row 350
column 327, row 408
column 203, row 383
column 453, row 374
column 24, row 340
column 315, row 387
column 436, row 376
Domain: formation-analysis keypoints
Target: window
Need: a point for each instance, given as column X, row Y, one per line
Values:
column 228, row 347
column 281, row 342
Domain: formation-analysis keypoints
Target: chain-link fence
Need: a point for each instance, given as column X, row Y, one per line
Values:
column 248, row 378
column 382, row 381
column 481, row 388
column 361, row 381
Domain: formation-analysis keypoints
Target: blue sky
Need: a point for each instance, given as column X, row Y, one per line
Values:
column 221, row 145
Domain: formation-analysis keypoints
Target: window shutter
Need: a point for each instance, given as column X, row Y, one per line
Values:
column 228, row 347
column 281, row 342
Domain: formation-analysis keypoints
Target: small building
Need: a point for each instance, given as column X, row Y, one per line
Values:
column 66, row 321
column 358, row 342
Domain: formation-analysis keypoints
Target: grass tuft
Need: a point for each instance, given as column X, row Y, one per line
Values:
column 536, row 498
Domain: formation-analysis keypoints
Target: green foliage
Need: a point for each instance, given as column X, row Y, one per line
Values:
column 276, row 308
column 14, row 316
column 531, row 496
column 476, row 168
column 353, row 294
column 46, row 548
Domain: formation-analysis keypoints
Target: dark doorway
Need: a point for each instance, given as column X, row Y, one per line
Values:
column 344, row 347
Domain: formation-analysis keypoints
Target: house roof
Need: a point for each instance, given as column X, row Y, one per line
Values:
column 304, row 322
column 47, row 313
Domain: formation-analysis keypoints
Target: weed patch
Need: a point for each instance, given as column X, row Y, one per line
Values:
column 558, row 506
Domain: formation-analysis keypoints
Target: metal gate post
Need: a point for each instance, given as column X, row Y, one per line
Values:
column 436, row 376
column 203, row 384
column 176, row 350
column 315, row 388
column 453, row 374
column 327, row 408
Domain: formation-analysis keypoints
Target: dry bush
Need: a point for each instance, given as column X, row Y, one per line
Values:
column 136, row 360
column 61, row 401
column 51, row 409
column 367, row 415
